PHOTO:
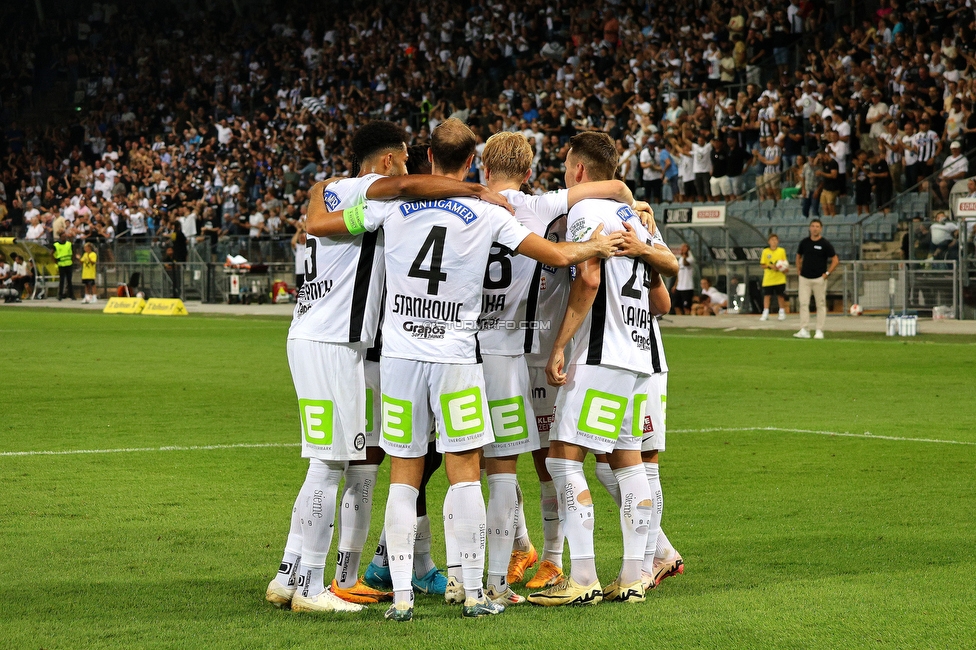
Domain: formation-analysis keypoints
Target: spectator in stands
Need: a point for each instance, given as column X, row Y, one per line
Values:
column 719, row 183
column 830, row 183
column 711, row 302
column 21, row 279
column 862, row 183
column 880, row 175
column 771, row 159
column 910, row 157
column 810, row 202
column 815, row 261
column 683, row 290
column 944, row 238
column 774, row 277
column 955, row 167
column 701, row 155
column 653, row 175
column 738, row 160
column 891, row 145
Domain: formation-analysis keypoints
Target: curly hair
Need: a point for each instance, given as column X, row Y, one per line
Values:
column 375, row 137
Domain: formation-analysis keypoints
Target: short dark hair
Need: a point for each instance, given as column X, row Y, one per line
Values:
column 598, row 153
column 816, row 221
column 417, row 161
column 452, row 143
column 375, row 137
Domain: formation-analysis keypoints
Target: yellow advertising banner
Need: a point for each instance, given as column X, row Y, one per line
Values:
column 164, row 307
column 124, row 306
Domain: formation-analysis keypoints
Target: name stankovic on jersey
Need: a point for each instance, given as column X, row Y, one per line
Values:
column 458, row 209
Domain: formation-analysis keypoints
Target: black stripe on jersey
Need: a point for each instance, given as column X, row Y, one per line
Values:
column 477, row 349
column 598, row 320
column 531, row 304
column 360, row 291
column 655, row 355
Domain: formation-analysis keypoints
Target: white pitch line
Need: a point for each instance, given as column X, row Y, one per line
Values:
column 129, row 450
column 844, row 434
column 261, row 445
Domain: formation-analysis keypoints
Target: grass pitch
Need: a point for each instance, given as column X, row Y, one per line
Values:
column 793, row 537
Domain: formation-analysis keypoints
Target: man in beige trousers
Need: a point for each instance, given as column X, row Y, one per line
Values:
column 815, row 261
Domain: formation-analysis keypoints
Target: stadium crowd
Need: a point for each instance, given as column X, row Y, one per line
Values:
column 215, row 125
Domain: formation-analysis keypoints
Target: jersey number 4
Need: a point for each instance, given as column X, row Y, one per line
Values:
column 631, row 289
column 434, row 247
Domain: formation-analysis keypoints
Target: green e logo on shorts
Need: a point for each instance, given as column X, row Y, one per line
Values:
column 369, row 410
column 640, row 412
column 508, row 419
column 397, row 420
column 602, row 414
column 316, row 420
column 462, row 412
column 664, row 409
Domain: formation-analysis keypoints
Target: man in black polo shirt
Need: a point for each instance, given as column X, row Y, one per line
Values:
column 812, row 258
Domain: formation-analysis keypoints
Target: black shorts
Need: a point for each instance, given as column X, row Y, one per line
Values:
column 88, row 283
column 683, row 299
column 775, row 290
column 689, row 188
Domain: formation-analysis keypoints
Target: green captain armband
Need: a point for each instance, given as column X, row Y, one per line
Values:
column 355, row 219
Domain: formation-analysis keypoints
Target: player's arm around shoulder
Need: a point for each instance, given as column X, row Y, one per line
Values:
column 428, row 187
column 589, row 241
column 652, row 251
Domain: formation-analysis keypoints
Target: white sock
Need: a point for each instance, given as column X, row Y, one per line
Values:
column 522, row 541
column 605, row 475
column 657, row 511
column 552, row 528
column 664, row 549
column 576, row 513
column 782, row 311
column 502, row 508
column 422, row 562
column 765, row 312
column 635, row 516
column 469, row 529
column 401, row 529
column 317, row 512
column 450, row 539
column 288, row 568
column 355, row 511
column 380, row 558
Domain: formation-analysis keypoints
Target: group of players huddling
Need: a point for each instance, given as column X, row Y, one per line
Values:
column 432, row 321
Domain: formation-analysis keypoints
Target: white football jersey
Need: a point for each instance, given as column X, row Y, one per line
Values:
column 551, row 298
column 436, row 254
column 340, row 299
column 510, row 300
column 619, row 330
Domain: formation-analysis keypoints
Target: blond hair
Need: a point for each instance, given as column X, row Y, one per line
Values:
column 508, row 154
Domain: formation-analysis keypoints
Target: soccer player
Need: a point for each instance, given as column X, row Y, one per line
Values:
column 601, row 402
column 356, row 506
column 508, row 331
column 335, row 320
column 661, row 560
column 436, row 253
